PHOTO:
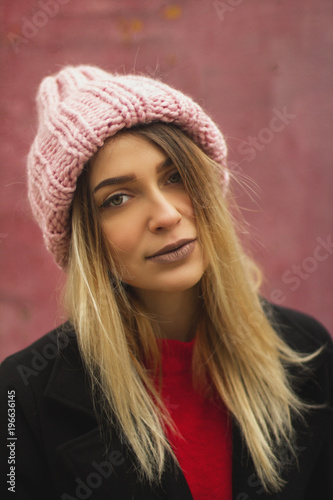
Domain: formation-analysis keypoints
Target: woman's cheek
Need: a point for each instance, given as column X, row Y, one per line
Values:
column 123, row 235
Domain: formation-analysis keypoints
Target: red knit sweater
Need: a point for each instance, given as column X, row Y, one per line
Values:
column 205, row 452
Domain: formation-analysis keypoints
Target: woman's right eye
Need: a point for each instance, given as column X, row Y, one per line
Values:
column 116, row 200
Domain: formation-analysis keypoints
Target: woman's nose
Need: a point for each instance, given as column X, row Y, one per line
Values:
column 163, row 214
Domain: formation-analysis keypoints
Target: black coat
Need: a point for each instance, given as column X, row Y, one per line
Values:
column 55, row 449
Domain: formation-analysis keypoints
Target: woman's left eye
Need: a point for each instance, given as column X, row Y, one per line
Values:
column 116, row 200
column 174, row 178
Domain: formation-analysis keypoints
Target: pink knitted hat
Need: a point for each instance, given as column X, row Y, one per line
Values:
column 80, row 107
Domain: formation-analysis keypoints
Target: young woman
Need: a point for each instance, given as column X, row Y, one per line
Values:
column 173, row 378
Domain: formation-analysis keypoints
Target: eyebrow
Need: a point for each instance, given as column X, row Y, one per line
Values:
column 124, row 179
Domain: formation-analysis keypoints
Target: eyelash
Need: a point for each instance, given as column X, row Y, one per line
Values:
column 108, row 202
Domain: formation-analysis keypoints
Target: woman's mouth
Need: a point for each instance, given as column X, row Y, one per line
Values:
column 175, row 252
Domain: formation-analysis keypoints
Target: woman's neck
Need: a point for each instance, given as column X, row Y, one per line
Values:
column 176, row 313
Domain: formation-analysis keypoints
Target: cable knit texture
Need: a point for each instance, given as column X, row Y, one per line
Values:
column 78, row 108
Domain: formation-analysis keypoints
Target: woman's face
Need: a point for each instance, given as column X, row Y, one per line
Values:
column 146, row 215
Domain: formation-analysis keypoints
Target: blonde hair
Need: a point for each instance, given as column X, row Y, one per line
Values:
column 237, row 354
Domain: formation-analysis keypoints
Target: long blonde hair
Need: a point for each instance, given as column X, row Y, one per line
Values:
column 238, row 354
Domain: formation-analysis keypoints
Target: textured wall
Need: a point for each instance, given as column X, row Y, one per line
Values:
column 261, row 68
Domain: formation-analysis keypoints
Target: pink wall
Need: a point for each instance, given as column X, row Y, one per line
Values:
column 262, row 69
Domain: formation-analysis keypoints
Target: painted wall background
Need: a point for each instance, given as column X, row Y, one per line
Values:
column 263, row 69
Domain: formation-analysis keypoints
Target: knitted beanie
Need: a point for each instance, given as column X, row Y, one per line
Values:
column 78, row 108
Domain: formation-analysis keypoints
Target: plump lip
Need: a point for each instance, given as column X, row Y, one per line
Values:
column 171, row 248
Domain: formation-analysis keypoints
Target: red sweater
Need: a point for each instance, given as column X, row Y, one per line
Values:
column 205, row 452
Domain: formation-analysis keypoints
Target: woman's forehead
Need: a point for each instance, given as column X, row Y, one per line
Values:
column 126, row 154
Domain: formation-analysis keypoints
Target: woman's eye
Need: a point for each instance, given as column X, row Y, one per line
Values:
column 115, row 200
column 174, row 178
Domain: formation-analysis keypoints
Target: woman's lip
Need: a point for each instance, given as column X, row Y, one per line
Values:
column 170, row 248
column 175, row 252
